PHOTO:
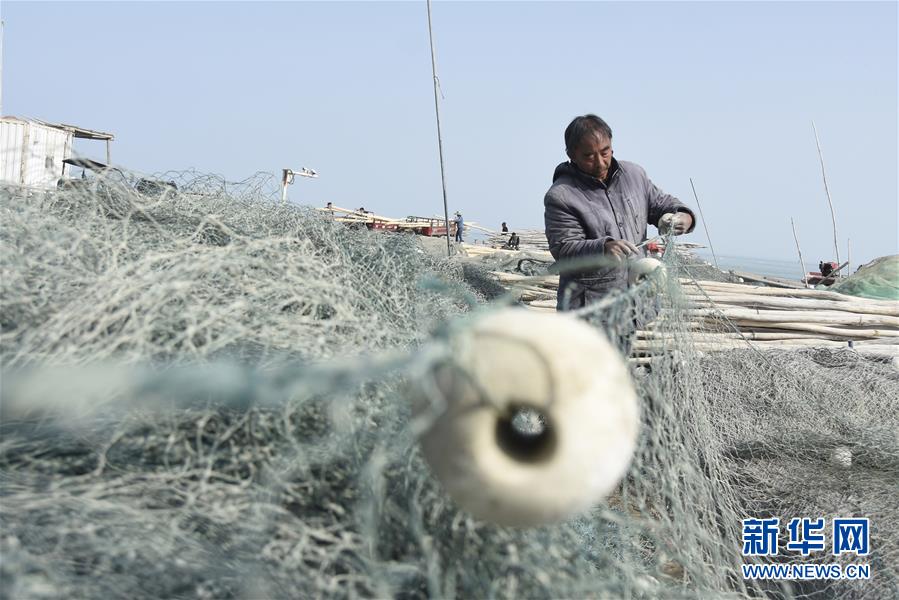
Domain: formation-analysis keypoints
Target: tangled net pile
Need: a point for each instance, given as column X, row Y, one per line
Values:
column 204, row 398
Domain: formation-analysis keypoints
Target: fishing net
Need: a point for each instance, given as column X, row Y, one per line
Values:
column 205, row 396
column 877, row 279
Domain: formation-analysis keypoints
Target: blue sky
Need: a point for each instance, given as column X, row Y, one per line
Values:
column 722, row 92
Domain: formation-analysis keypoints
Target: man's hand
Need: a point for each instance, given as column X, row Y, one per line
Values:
column 620, row 249
column 677, row 223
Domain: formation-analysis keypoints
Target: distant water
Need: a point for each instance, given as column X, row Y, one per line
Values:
column 786, row 269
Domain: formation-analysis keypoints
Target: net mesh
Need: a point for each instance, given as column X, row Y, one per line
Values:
column 877, row 279
column 204, row 396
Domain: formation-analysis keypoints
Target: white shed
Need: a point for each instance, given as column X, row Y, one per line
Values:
column 32, row 151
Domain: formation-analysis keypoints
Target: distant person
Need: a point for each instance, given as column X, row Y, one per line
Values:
column 329, row 206
column 598, row 206
column 514, row 240
column 505, row 228
column 826, row 268
column 460, row 226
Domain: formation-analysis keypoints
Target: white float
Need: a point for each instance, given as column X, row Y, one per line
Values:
column 558, row 366
column 640, row 269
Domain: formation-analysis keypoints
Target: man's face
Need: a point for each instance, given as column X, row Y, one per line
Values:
column 593, row 155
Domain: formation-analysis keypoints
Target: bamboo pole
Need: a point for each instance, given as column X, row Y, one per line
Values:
column 803, row 273
column 533, row 294
column 545, row 309
column 819, row 328
column 777, row 282
column 473, row 250
column 550, row 281
column 736, row 343
column 798, row 316
column 543, row 304
column 785, row 334
column 747, row 301
column 833, row 217
column 866, row 350
column 848, row 257
column 473, row 225
column 446, row 221
column 763, row 291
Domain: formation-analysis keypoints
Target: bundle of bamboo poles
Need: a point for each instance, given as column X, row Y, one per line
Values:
column 728, row 315
column 529, row 290
column 478, row 251
column 529, row 239
column 723, row 316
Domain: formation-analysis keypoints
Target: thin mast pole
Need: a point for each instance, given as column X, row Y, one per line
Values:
column 701, row 216
column 848, row 256
column 833, row 217
column 2, row 27
column 804, row 278
column 439, row 136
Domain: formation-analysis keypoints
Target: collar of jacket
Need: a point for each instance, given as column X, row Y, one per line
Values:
column 614, row 172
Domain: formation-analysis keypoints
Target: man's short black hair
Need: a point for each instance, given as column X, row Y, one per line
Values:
column 581, row 127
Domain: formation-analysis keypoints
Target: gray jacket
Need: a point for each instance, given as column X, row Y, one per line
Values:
column 582, row 213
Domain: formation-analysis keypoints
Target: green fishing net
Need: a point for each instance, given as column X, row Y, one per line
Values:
column 878, row 279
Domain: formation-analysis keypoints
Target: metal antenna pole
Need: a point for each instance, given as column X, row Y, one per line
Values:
column 439, row 136
column 701, row 216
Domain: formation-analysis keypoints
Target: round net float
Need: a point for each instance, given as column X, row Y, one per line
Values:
column 640, row 269
column 533, row 419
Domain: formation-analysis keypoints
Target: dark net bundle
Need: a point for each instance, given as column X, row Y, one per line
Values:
column 205, row 397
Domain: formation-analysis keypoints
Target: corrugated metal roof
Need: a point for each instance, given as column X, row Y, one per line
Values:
column 78, row 132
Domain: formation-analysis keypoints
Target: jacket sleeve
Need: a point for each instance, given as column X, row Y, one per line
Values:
column 565, row 232
column 661, row 203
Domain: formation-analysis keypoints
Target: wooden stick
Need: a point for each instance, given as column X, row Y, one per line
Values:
column 804, row 273
column 827, row 191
